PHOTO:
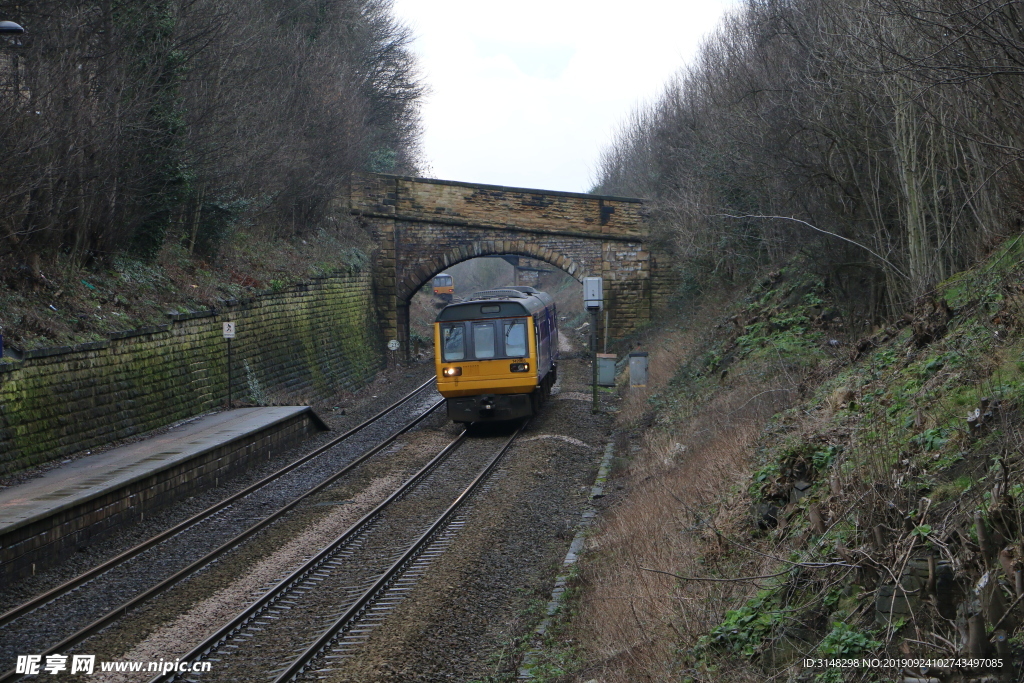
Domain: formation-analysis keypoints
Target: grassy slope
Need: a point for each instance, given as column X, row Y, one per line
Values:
column 68, row 304
column 772, row 395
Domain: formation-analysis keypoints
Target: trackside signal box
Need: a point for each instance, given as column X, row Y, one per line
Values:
column 638, row 369
column 593, row 293
column 606, row 369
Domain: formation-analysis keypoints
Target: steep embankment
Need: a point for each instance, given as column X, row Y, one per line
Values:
column 793, row 490
column 63, row 303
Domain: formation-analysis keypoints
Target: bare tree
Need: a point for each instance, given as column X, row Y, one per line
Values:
column 124, row 122
column 885, row 125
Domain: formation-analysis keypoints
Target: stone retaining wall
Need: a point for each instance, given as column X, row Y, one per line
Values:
column 300, row 345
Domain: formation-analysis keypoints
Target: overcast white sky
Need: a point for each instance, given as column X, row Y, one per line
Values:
column 527, row 93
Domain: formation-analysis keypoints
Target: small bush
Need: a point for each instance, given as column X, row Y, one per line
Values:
column 844, row 641
column 745, row 630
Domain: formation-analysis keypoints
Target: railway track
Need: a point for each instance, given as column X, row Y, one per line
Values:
column 59, row 619
column 354, row 581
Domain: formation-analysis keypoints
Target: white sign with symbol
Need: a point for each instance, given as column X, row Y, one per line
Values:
column 229, row 330
column 393, row 345
column 593, row 293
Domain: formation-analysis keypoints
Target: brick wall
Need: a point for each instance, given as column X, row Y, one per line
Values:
column 665, row 280
column 474, row 204
column 301, row 344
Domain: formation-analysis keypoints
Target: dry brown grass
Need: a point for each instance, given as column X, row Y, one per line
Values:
column 668, row 348
column 686, row 497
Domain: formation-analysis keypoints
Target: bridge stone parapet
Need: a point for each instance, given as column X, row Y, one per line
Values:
column 424, row 226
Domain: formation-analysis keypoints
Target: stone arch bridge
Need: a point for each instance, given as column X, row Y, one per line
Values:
column 423, row 226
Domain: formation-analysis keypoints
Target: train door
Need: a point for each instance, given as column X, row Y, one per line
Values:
column 543, row 333
column 554, row 333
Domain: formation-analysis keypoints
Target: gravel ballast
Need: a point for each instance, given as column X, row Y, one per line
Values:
column 473, row 602
column 480, row 596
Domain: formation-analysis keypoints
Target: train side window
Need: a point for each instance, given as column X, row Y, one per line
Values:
column 453, row 339
column 515, row 339
column 483, row 340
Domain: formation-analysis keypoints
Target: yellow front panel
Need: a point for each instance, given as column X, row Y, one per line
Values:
column 485, row 376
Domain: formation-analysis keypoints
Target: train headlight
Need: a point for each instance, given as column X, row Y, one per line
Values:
column 519, row 367
column 452, row 372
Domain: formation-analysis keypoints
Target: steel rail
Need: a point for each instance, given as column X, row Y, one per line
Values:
column 282, row 588
column 387, row 578
column 123, row 609
column 70, row 585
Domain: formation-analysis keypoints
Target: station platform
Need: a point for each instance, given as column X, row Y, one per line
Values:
column 44, row 519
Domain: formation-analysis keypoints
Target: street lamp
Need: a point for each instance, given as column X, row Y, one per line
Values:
column 8, row 30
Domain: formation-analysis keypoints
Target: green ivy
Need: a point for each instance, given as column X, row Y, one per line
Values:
column 931, row 439
column 885, row 358
column 844, row 641
column 824, row 457
column 744, row 630
column 163, row 174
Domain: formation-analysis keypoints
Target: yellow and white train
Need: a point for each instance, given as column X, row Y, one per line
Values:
column 444, row 285
column 496, row 354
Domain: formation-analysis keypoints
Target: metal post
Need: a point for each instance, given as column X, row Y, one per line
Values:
column 593, row 294
column 229, row 373
column 593, row 354
column 606, row 330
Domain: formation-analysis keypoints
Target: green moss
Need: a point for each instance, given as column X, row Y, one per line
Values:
column 951, row 489
column 325, row 338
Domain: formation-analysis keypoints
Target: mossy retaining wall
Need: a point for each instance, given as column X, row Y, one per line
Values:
column 301, row 344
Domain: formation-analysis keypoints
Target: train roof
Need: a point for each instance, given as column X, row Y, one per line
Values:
column 505, row 302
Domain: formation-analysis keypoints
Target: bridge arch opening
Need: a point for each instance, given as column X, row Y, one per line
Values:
column 495, row 270
column 438, row 263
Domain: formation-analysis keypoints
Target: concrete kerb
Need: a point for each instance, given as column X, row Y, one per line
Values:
column 101, row 496
column 531, row 657
column 193, row 454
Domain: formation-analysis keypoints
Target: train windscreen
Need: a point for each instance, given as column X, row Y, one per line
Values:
column 515, row 338
column 453, row 342
column 484, row 339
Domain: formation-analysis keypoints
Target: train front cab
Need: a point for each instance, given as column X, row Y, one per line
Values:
column 444, row 284
column 494, row 359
